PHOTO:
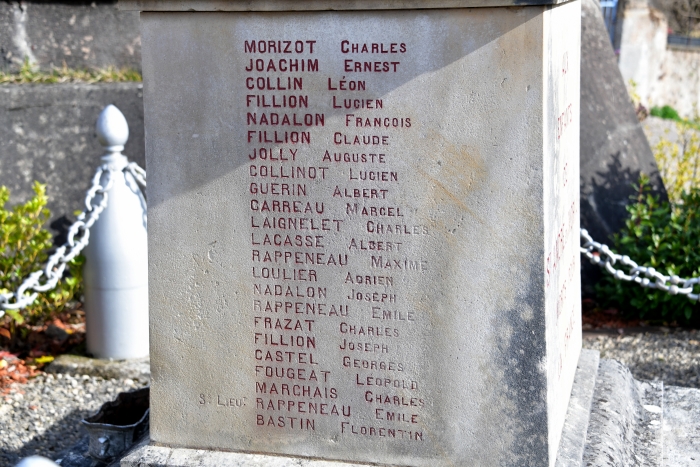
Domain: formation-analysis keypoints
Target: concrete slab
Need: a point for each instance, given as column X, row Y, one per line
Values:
column 573, row 437
column 570, row 452
column 315, row 5
column 625, row 424
column 138, row 369
column 681, row 426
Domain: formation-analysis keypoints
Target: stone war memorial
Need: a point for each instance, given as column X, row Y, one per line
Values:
column 363, row 230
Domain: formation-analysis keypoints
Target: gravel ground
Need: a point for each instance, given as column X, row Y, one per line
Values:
column 43, row 416
column 670, row 356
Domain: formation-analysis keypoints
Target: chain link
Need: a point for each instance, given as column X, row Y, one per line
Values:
column 603, row 256
column 137, row 172
column 78, row 238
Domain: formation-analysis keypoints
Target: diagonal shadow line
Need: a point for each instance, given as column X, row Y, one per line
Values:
column 61, row 435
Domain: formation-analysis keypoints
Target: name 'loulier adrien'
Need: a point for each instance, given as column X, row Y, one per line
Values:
column 306, row 196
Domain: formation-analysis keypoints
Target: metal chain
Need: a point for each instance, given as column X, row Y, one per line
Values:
column 601, row 255
column 137, row 172
column 78, row 237
column 96, row 201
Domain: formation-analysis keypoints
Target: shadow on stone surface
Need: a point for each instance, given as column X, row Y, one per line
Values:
column 603, row 210
column 605, row 197
column 60, row 436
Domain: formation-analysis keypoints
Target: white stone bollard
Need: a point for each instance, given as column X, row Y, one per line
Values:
column 36, row 461
column 116, row 257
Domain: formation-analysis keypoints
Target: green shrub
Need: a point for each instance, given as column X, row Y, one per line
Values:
column 24, row 248
column 665, row 236
column 667, row 112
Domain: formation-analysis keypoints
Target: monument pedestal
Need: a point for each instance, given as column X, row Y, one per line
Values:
column 571, row 449
column 612, row 419
column 363, row 228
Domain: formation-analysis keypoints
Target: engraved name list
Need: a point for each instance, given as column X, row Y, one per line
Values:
column 328, row 242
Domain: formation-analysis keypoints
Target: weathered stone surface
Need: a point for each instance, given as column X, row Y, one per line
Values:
column 643, row 55
column 570, row 451
column 681, row 426
column 573, row 437
column 626, row 419
column 137, row 369
column 161, row 456
column 631, row 419
column 664, row 73
column 81, row 34
column 48, row 134
column 464, row 320
column 315, row 5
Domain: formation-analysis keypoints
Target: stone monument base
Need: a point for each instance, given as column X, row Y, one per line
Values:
column 612, row 419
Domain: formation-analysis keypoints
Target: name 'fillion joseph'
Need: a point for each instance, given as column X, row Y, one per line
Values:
column 287, row 347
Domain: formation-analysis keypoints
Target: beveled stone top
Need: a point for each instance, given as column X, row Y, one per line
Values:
column 318, row 5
